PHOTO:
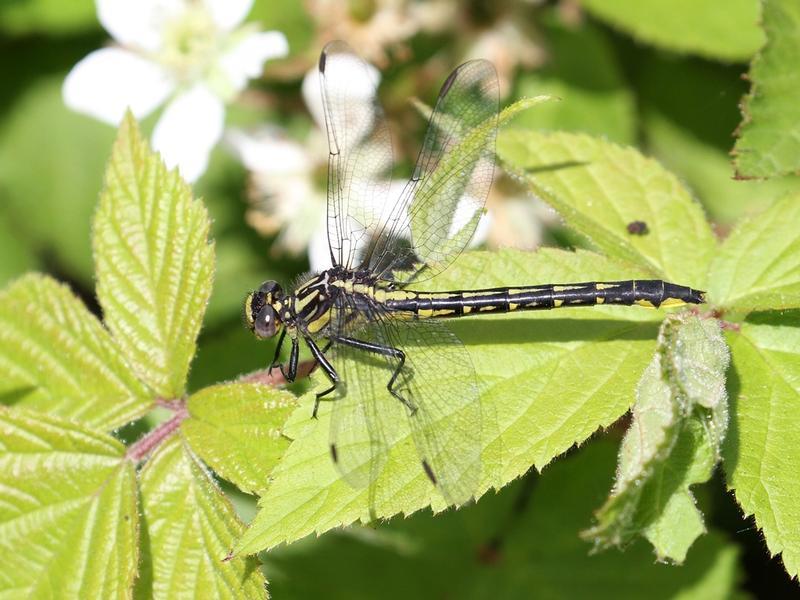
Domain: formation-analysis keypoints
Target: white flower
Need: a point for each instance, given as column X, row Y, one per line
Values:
column 194, row 52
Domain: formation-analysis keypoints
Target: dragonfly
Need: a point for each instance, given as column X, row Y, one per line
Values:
column 383, row 345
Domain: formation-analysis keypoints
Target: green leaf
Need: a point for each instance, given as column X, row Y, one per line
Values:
column 541, row 385
column 762, row 451
column 693, row 26
column 600, row 187
column 758, row 265
column 520, row 543
column 593, row 95
column 56, row 357
column 51, row 165
column 154, row 262
column 68, row 516
column 189, row 528
column 679, row 420
column 236, row 429
column 769, row 137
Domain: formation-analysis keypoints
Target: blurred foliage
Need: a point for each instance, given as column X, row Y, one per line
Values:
column 660, row 79
column 51, row 17
column 692, row 26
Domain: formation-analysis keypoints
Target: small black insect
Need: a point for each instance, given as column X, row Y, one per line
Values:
column 637, row 228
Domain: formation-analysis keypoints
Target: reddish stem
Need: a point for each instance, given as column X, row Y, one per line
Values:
column 147, row 443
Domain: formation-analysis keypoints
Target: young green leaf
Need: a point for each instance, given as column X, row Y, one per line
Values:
column 547, row 381
column 762, row 452
column 56, row 357
column 154, row 262
column 236, row 429
column 758, row 265
column 188, row 529
column 520, row 543
column 679, row 421
column 600, row 187
column 68, row 515
column 769, row 136
column 694, row 26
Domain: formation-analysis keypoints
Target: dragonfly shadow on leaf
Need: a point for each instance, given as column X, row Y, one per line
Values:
column 527, row 331
column 15, row 395
column 557, row 166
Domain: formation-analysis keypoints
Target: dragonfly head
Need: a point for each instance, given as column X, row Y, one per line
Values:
column 261, row 310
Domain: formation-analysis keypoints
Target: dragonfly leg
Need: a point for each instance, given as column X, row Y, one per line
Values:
column 277, row 356
column 324, row 363
column 384, row 351
column 294, row 354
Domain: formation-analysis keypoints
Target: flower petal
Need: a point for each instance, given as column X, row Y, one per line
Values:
column 108, row 81
column 188, row 129
column 363, row 88
column 138, row 24
column 227, row 14
column 319, row 254
column 246, row 59
column 268, row 151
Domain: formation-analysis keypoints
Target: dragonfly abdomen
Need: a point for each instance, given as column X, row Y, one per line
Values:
column 644, row 292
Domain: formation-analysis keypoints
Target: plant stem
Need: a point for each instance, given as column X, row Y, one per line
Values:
column 140, row 450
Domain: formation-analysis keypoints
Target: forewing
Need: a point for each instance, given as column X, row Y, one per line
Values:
column 440, row 207
column 360, row 147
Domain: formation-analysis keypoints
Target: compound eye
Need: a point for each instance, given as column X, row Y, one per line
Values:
column 270, row 287
column 266, row 323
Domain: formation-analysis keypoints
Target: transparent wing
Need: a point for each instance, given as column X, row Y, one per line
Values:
column 360, row 151
column 441, row 205
column 437, row 380
column 357, row 437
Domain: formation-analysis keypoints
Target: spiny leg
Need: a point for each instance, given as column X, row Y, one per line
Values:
column 324, row 363
column 277, row 356
column 383, row 351
column 294, row 354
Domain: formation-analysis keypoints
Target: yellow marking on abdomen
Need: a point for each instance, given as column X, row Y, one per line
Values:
column 673, row 302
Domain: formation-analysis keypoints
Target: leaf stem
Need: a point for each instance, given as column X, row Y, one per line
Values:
column 152, row 439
